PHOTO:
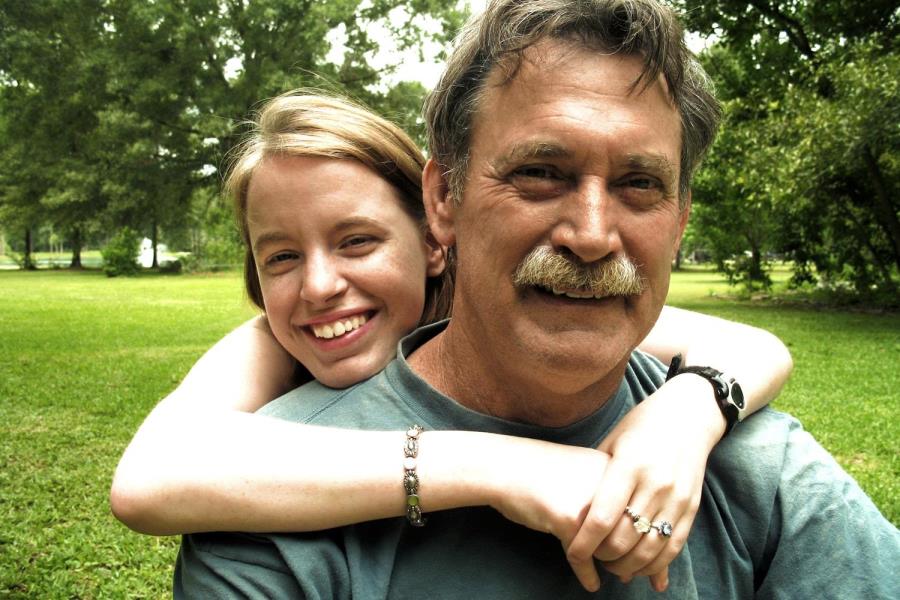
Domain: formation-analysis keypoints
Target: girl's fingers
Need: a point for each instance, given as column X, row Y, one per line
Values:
column 606, row 516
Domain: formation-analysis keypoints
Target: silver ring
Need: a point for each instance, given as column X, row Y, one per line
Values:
column 641, row 524
column 663, row 527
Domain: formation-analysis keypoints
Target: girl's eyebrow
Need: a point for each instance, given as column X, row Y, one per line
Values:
column 276, row 236
column 269, row 237
column 356, row 221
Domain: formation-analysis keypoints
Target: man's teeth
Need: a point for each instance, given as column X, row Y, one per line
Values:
column 573, row 294
column 339, row 328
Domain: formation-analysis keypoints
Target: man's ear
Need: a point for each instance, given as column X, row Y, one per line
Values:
column 435, row 256
column 684, row 214
column 439, row 207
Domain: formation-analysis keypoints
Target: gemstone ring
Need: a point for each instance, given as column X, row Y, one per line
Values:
column 641, row 524
column 663, row 527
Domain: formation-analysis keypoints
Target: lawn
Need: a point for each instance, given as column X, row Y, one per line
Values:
column 83, row 358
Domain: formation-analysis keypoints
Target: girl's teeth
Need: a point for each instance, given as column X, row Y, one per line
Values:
column 339, row 328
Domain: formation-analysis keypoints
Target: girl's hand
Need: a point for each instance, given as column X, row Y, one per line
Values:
column 549, row 487
column 657, row 461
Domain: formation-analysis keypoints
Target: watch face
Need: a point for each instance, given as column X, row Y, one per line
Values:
column 737, row 394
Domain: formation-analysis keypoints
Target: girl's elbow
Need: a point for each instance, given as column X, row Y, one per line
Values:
column 134, row 506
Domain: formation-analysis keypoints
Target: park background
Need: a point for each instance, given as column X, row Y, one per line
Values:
column 117, row 116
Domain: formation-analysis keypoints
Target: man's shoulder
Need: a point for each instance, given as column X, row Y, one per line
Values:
column 375, row 402
column 795, row 509
column 644, row 373
column 392, row 391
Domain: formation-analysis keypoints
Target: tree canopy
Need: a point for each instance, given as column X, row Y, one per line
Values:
column 118, row 112
column 807, row 163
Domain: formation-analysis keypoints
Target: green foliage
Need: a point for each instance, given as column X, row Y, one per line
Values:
column 807, row 165
column 117, row 112
column 215, row 240
column 120, row 254
column 844, row 166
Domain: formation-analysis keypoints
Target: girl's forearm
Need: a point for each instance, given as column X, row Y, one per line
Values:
column 237, row 471
column 758, row 360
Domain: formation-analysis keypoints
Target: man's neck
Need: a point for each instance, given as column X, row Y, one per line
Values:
column 482, row 381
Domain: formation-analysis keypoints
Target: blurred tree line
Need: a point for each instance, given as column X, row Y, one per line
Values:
column 119, row 112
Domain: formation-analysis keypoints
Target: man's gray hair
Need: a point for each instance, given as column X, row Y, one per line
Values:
column 499, row 36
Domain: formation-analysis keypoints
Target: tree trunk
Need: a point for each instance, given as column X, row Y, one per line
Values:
column 76, row 249
column 155, row 235
column 861, row 233
column 884, row 209
column 27, row 261
column 678, row 259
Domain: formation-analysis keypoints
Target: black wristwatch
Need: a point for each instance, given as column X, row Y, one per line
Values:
column 728, row 392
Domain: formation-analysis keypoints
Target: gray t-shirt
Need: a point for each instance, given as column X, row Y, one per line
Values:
column 778, row 517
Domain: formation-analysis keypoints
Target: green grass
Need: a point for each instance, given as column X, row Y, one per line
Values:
column 83, row 358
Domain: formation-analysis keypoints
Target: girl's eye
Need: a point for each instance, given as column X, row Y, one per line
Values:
column 281, row 257
column 357, row 242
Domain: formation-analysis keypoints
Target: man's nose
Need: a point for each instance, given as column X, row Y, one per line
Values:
column 587, row 225
column 323, row 279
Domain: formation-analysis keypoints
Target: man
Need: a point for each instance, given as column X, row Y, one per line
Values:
column 564, row 134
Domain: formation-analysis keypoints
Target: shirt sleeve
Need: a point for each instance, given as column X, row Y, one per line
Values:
column 826, row 539
column 239, row 565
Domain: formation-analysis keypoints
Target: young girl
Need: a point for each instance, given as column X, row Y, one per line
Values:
column 339, row 258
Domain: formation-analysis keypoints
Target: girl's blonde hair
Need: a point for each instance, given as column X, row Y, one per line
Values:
column 305, row 123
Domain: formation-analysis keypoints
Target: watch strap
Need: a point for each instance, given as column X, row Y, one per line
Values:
column 722, row 389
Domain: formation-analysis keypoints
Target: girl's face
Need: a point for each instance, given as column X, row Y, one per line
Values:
column 342, row 266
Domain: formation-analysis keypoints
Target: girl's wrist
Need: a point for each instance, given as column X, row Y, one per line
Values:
column 697, row 401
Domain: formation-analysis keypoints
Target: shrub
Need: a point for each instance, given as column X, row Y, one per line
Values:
column 120, row 254
column 171, row 266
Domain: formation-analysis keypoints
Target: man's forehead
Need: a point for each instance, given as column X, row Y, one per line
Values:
column 555, row 64
column 548, row 55
column 560, row 94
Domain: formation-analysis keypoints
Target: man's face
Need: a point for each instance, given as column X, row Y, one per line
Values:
column 567, row 157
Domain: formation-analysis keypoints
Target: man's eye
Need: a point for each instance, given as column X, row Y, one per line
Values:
column 644, row 183
column 536, row 172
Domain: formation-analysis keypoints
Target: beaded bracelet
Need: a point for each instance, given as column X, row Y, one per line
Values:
column 410, row 478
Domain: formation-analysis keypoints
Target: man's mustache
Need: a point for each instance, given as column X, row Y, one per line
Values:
column 614, row 276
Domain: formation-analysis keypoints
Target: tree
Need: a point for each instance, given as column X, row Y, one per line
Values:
column 810, row 90
column 119, row 111
column 51, row 88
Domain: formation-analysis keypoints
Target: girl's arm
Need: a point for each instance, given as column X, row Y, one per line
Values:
column 658, row 451
column 199, row 463
column 754, row 357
